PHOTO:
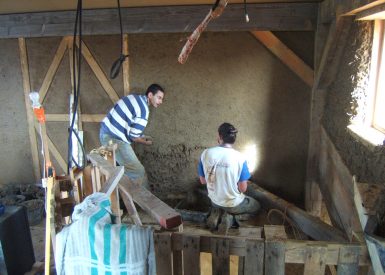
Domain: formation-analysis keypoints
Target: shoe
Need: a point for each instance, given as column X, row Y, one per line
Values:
column 212, row 220
column 225, row 224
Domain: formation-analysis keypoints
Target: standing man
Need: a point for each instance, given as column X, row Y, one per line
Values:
column 125, row 123
column 225, row 172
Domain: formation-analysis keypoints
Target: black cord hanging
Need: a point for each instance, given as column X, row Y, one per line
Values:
column 246, row 14
column 76, row 63
column 115, row 68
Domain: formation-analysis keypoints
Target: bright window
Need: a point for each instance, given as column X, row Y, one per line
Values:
column 369, row 124
column 378, row 117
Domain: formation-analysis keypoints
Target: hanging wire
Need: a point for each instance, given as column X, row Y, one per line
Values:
column 246, row 14
column 115, row 68
column 76, row 63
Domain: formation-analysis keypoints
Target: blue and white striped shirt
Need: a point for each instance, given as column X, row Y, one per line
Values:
column 127, row 119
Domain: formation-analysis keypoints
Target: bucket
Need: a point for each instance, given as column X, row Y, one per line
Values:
column 35, row 211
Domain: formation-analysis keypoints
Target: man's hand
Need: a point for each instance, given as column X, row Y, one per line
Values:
column 146, row 140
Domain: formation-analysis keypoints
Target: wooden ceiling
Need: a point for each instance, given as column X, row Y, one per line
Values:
column 22, row 6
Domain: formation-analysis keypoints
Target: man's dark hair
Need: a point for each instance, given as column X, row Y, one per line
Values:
column 227, row 132
column 154, row 88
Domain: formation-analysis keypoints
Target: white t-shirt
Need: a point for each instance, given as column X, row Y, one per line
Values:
column 223, row 168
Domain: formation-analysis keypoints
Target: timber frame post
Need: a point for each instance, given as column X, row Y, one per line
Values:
column 326, row 69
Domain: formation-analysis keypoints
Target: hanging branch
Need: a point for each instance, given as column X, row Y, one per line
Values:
column 214, row 12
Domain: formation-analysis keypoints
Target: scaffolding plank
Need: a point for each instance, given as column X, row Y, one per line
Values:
column 162, row 242
column 166, row 216
column 274, row 257
column 191, row 255
column 220, row 249
column 253, row 261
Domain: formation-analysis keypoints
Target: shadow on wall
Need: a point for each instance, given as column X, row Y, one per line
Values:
column 284, row 140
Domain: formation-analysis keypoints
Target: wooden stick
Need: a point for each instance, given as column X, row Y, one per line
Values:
column 100, row 75
column 287, row 56
column 193, row 38
column 84, row 117
column 30, row 117
column 126, row 66
column 52, row 69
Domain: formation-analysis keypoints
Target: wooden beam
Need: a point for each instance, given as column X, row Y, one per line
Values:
column 28, row 108
column 369, row 200
column 376, row 12
column 295, row 250
column 52, row 69
column 100, row 75
column 54, row 151
column 164, row 214
column 309, row 224
column 348, row 7
column 287, row 56
column 126, row 66
column 166, row 19
column 315, row 260
column 112, row 181
column 326, row 73
column 336, row 183
column 84, row 117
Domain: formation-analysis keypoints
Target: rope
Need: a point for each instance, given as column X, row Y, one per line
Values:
column 115, row 68
column 294, row 228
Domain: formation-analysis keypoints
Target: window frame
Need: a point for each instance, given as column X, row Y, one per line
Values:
column 376, row 104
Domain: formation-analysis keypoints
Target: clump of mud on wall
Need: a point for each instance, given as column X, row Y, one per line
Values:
column 346, row 103
column 165, row 166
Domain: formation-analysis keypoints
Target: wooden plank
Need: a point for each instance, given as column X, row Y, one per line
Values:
column 220, row 256
column 332, row 52
column 255, row 251
column 369, row 200
column 315, row 260
column 164, row 214
column 309, row 224
column 348, row 260
column 337, row 182
column 106, row 167
column 326, row 72
column 274, row 257
column 100, row 75
column 358, row 6
column 287, row 56
column 275, row 232
column 376, row 250
column 112, row 181
column 28, row 108
column 250, row 232
column 177, row 262
column 191, row 255
column 126, row 66
column 376, row 12
column 54, row 151
column 52, row 69
column 295, row 251
column 129, row 203
column 84, row 117
column 263, row 16
column 87, row 181
column 163, row 255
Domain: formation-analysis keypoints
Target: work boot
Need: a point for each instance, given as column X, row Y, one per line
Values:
column 212, row 220
column 225, row 224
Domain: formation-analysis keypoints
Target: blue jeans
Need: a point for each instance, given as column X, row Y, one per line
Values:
column 126, row 157
column 248, row 206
